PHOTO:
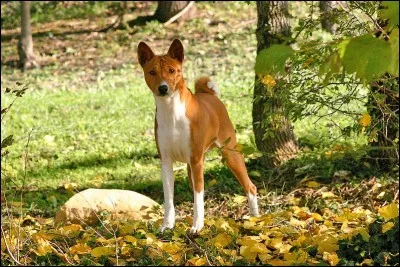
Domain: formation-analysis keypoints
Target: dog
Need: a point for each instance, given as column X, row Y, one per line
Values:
column 186, row 126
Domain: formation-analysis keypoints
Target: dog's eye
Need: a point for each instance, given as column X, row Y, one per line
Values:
column 152, row 72
column 171, row 71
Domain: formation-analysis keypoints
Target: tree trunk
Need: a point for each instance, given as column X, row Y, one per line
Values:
column 272, row 129
column 168, row 9
column 384, row 152
column 27, row 58
column 326, row 14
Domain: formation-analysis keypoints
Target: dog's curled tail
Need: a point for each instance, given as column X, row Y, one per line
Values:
column 205, row 85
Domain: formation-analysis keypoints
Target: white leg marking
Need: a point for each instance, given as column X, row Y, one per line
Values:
column 198, row 208
column 168, row 187
column 253, row 206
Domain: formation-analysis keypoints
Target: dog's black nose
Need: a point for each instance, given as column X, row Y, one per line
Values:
column 163, row 89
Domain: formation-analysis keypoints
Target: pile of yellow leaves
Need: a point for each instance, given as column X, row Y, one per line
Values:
column 288, row 237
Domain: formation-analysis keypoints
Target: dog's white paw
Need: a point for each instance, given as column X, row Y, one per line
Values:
column 254, row 212
column 167, row 224
column 253, row 206
column 196, row 228
column 164, row 227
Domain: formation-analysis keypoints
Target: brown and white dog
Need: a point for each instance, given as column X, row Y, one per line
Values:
column 186, row 126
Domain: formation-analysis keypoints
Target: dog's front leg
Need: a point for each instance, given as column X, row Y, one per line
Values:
column 198, row 191
column 168, row 187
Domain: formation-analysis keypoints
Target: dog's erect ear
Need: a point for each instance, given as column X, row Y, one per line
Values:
column 176, row 50
column 144, row 53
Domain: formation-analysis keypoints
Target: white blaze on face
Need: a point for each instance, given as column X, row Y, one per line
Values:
column 164, row 83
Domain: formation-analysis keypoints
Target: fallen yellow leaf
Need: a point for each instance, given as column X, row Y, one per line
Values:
column 80, row 249
column 363, row 232
column 42, row 235
column 239, row 199
column 387, row 226
column 71, row 230
column 222, row 240
column 246, row 252
column 328, row 195
column 43, row 247
column 150, row 238
column 223, row 226
column 259, row 248
column 248, row 240
column 298, row 256
column 102, row 251
column 317, row 217
column 368, row 262
column 197, row 261
column 381, row 195
column 295, row 222
column 265, row 257
column 251, row 225
column 389, row 212
column 171, row 248
column 130, row 239
column 313, row 184
column 278, row 263
column 327, row 243
column 299, row 241
column 220, row 260
column 333, row 259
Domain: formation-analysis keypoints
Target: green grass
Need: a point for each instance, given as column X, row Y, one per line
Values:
column 92, row 122
column 49, row 11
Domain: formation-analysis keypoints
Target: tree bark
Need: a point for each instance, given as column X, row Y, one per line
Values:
column 168, row 9
column 384, row 153
column 27, row 58
column 272, row 129
column 326, row 13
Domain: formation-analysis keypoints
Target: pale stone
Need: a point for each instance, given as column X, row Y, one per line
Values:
column 85, row 207
column 341, row 174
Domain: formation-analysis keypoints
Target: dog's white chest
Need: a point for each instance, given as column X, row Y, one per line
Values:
column 173, row 129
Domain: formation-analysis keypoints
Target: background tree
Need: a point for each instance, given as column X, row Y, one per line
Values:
column 272, row 129
column 357, row 68
column 168, row 9
column 326, row 13
column 383, row 106
column 27, row 58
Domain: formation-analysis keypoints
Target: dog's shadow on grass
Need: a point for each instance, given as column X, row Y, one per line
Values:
column 226, row 183
column 284, row 179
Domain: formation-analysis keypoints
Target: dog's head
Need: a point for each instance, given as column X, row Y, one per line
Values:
column 162, row 73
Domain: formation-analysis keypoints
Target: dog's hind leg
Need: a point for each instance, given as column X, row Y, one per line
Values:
column 235, row 162
column 189, row 170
